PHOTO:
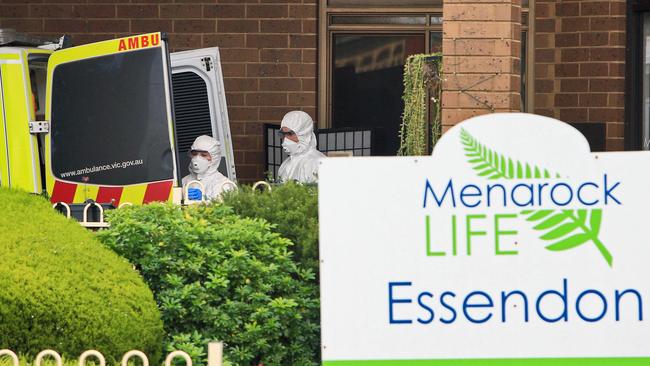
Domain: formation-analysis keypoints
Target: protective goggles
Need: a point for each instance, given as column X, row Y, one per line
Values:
column 285, row 133
column 203, row 153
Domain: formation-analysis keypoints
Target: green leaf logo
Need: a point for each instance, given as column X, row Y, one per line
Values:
column 563, row 229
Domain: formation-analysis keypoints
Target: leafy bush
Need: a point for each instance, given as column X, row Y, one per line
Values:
column 61, row 289
column 292, row 209
column 217, row 276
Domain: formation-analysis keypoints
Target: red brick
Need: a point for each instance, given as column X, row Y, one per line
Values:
column 51, row 11
column 566, row 100
column 545, row 55
column 618, row 8
column 14, row 11
column 567, row 70
column 595, row 8
column 615, row 144
column 185, row 41
column 247, row 142
column 280, row 84
column 233, row 70
column 593, row 100
column 543, row 10
column 303, row 11
column 281, row 26
column 593, row 69
column 607, row 54
column 243, row 114
column 309, row 56
column 194, row 26
column 181, row 11
column 594, row 39
column 617, row 69
column 242, row 84
column 224, row 40
column 567, row 40
column 23, row 25
column 567, row 9
column 544, row 86
column 574, row 85
column 607, row 85
column 255, row 157
column 615, row 130
column 575, row 54
column 85, row 38
column 224, row 11
column 302, row 41
column 574, row 114
column 575, row 24
column 266, row 99
column 267, row 40
column 235, row 99
column 272, row 114
column 617, row 39
column 280, row 55
column 545, row 25
column 137, row 11
column 237, row 26
column 267, row 11
column 108, row 25
column 608, row 23
column 302, row 99
column 302, row 70
column 606, row 115
column 309, row 26
column 309, row 84
column 266, row 70
column 65, row 25
column 94, row 11
column 616, row 100
column 151, row 25
column 240, row 55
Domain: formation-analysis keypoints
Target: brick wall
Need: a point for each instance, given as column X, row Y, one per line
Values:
column 580, row 63
column 268, row 50
column 481, row 48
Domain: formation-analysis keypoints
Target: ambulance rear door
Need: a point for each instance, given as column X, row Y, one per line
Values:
column 111, row 132
column 200, row 104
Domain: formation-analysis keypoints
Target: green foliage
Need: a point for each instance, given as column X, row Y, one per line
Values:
column 293, row 210
column 61, row 289
column 422, row 76
column 217, row 276
column 566, row 229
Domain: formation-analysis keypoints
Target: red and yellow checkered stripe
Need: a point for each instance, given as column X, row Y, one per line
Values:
column 137, row 194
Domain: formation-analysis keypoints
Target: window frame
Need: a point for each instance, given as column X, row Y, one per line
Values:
column 326, row 32
column 633, row 75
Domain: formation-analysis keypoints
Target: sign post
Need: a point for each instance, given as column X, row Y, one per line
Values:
column 512, row 244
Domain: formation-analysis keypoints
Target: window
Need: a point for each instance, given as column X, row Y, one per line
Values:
column 366, row 44
column 109, row 120
column 637, row 78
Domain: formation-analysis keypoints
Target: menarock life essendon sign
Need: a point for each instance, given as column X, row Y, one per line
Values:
column 512, row 245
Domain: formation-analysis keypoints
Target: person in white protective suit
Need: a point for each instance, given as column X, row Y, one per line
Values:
column 299, row 141
column 206, row 156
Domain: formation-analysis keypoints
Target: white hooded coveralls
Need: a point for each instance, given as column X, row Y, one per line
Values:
column 213, row 181
column 302, row 165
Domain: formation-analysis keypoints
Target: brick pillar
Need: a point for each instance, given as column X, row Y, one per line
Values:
column 481, row 58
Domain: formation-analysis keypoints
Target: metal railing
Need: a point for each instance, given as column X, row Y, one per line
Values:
column 215, row 356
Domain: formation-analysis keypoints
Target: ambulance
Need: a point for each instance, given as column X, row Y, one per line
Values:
column 110, row 122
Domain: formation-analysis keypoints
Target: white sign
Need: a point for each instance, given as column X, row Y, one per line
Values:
column 512, row 243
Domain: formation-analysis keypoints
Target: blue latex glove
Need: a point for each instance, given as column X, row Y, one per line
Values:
column 194, row 194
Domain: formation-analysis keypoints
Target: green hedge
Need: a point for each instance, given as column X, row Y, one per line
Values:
column 61, row 289
column 217, row 276
column 292, row 209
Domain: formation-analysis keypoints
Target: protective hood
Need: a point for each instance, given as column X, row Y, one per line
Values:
column 300, row 123
column 213, row 147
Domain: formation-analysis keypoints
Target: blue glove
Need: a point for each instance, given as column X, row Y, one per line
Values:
column 194, row 194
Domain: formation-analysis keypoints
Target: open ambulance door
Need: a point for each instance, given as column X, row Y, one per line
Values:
column 111, row 132
column 22, row 103
column 200, row 105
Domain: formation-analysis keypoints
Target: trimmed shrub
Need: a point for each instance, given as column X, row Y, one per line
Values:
column 293, row 210
column 217, row 276
column 61, row 289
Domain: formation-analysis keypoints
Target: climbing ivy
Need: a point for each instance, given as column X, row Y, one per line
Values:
column 422, row 77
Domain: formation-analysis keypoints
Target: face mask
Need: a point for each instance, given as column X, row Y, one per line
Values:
column 290, row 146
column 199, row 165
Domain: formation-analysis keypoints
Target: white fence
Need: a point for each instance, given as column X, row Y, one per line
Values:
column 215, row 356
